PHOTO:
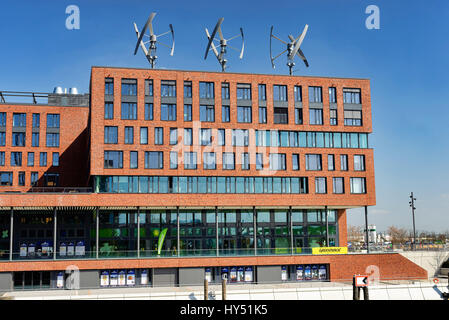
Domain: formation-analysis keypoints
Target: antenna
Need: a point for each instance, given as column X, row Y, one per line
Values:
column 293, row 49
column 150, row 52
column 223, row 44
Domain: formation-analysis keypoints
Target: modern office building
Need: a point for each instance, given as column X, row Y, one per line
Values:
column 166, row 177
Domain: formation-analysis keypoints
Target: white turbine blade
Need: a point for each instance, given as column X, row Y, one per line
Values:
column 211, row 37
column 173, row 39
column 151, row 23
column 299, row 42
column 211, row 44
column 243, row 43
column 140, row 42
column 303, row 57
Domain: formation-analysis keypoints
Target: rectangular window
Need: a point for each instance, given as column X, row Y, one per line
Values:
column 30, row 159
column 133, row 159
column 279, row 93
column 6, row 178
column 173, row 136
column 221, row 137
column 206, row 137
column 330, row 162
column 55, row 159
column 36, row 120
column 21, row 178
column 16, row 159
column 207, row 113
column 315, row 94
column 298, row 115
column 18, row 139
column 34, row 178
column 207, row 90
column 2, row 138
column 240, row 138
column 262, row 92
column 188, row 138
column 129, row 135
column 35, row 139
column 168, row 112
column 109, row 110
column 158, row 136
column 190, row 162
column 2, row 119
column 243, row 91
column 43, row 159
column 228, row 161
column 358, row 185
column 332, row 95
column 338, row 185
column 262, row 115
column 109, row 86
column 225, row 91
column 320, row 185
column 359, row 162
column 173, row 160
column 168, row 88
column 19, row 120
column 52, row 140
column 280, row 115
column 129, row 87
column 148, row 111
column 225, row 114
column 333, row 117
column 295, row 161
column 113, row 159
column 353, row 117
column 259, row 161
column 245, row 161
column 209, row 161
column 53, row 120
column 313, row 162
column 149, row 87
column 244, row 114
column 187, row 112
column 110, row 135
column 187, row 89
column 351, row 96
column 129, row 111
column 143, row 135
column 2, row 158
column 316, row 116
column 344, row 162
column 298, row 93
column 277, row 161
column 154, row 160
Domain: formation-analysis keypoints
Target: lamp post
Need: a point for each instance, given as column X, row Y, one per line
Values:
column 412, row 205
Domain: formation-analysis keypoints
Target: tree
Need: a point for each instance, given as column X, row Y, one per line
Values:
column 398, row 235
column 355, row 233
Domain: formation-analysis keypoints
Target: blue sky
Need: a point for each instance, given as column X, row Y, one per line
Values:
column 406, row 61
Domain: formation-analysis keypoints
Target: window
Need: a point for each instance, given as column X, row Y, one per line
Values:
column 2, row 119
column 34, row 178
column 188, row 139
column 262, row 92
column 187, row 112
column 259, row 161
column 330, row 162
column 353, row 118
column 55, row 159
column 298, row 93
column 30, row 159
column 143, row 135
column 187, row 89
column 173, row 136
column 21, row 178
column 279, row 93
column 35, row 139
column 19, row 120
column 108, row 86
column 280, row 115
column 168, row 112
column 221, row 137
column 173, row 160
column 36, row 120
column 332, row 95
column 206, row 90
column 53, row 120
column 16, row 159
column 109, row 110
column 344, row 162
column 313, row 162
column 207, row 113
column 6, row 178
column 52, row 139
column 277, row 161
column 225, row 114
column 351, row 96
column 129, row 111
column 113, row 159
column 206, row 137
column 359, row 162
column 262, row 115
column 315, row 94
column 209, row 161
column 18, row 139
column 149, row 87
column 298, row 115
column 228, row 161
column 154, row 160
column 168, row 88
column 295, row 161
column 190, row 160
column 148, row 111
column 316, row 116
column 225, row 91
column 243, row 91
column 129, row 87
column 245, row 161
column 320, row 185
column 240, row 138
column 2, row 138
column 129, row 135
column 51, row 179
column 2, row 158
column 333, row 117
column 338, row 185
column 43, row 159
column 158, row 136
column 358, row 185
column 133, row 159
column 244, row 114
column 110, row 135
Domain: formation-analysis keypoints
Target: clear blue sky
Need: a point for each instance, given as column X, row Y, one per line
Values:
column 406, row 60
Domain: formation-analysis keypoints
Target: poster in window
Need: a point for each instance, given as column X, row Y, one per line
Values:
column 284, row 275
column 233, row 274
column 122, row 278
column 240, row 274
column 23, row 250
column 131, row 278
column 208, row 274
column 307, row 273
column 80, row 248
column 47, row 248
column 249, row 274
column 322, row 272
column 224, row 273
column 70, row 249
column 104, row 278
column 300, row 273
column 315, row 272
column 60, row 280
column 144, row 277
column 114, row 278
column 63, row 249
column 31, row 249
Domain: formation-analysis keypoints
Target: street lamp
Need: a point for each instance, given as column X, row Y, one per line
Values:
column 412, row 205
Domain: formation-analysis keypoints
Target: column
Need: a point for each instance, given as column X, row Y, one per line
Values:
column 255, row 229
column 138, row 232
column 291, row 229
column 55, row 224
column 216, row 231
column 97, row 235
column 178, row 233
column 327, row 226
column 366, row 229
column 11, row 228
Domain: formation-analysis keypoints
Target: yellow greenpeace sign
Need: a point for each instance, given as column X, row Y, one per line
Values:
column 330, row 250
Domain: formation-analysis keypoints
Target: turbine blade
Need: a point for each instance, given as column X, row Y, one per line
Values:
column 212, row 46
column 303, row 57
column 150, row 18
column 243, row 43
column 212, row 36
column 299, row 42
column 173, row 39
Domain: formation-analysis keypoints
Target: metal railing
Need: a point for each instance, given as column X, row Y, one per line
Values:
column 60, row 190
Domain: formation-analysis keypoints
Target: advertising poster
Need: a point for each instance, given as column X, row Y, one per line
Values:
column 70, row 249
column 249, row 274
column 63, row 249
column 122, row 278
column 60, row 280
column 208, row 275
column 131, row 278
column 224, row 273
column 233, row 274
column 284, row 276
column 113, row 278
column 299, row 273
column 323, row 272
column 315, row 272
column 31, row 249
column 47, row 248
column 104, row 278
column 240, row 274
column 144, row 277
column 80, row 248
column 23, row 250
column 307, row 273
